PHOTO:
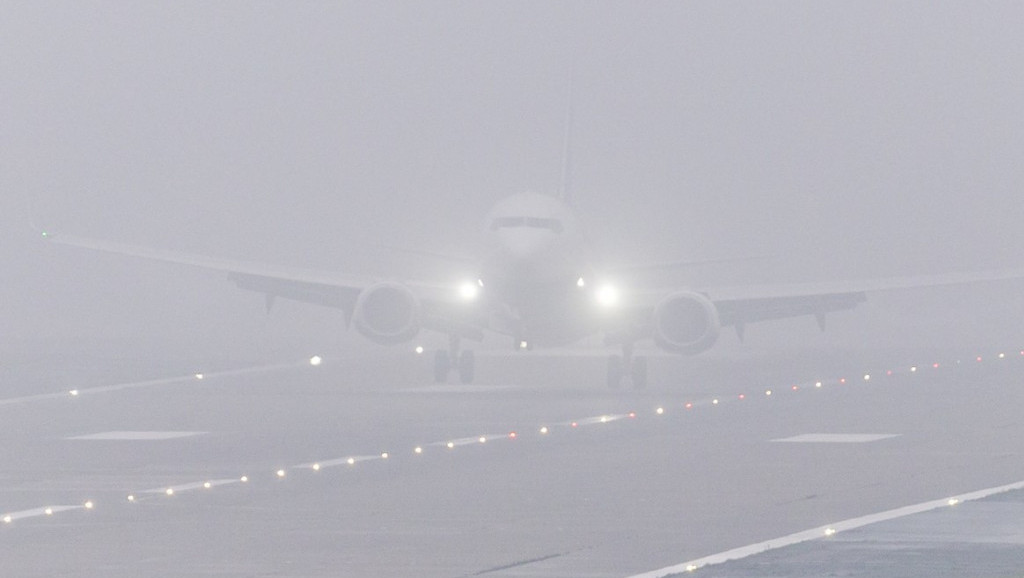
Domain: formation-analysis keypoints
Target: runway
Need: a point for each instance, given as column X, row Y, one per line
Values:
column 356, row 466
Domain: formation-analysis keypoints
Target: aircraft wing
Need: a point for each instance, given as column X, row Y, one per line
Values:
column 747, row 304
column 326, row 288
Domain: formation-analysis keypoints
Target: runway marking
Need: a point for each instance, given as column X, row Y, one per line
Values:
column 191, row 378
column 824, row 438
column 41, row 512
column 136, row 435
column 456, row 388
column 828, row 531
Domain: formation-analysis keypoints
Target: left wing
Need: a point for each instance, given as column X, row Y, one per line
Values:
column 738, row 305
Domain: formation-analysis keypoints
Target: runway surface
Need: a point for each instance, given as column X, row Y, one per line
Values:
column 357, row 466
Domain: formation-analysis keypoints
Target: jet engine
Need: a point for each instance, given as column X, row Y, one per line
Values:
column 387, row 313
column 686, row 322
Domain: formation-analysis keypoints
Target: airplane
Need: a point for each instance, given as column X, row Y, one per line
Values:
column 538, row 285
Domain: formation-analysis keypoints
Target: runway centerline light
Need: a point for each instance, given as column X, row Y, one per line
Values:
column 281, row 473
column 714, row 401
column 867, row 377
column 952, row 501
column 199, row 376
column 419, row 349
column 207, row 485
column 913, row 369
column 768, row 392
column 384, row 455
column 350, row 461
column 544, row 429
column 89, row 505
column 131, row 498
column 418, row 450
column 660, row 411
column 48, row 511
column 316, row 360
column 169, row 491
column 316, row 467
column 450, row 445
column 74, row 393
column 830, row 531
column 244, row 479
column 817, row 384
column 482, row 439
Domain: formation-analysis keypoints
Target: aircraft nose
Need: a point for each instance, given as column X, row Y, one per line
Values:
column 523, row 244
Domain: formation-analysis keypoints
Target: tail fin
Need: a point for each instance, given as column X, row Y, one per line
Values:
column 565, row 185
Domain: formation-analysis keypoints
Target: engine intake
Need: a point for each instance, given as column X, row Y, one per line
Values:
column 387, row 313
column 686, row 322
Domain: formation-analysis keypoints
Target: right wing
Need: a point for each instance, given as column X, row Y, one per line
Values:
column 440, row 304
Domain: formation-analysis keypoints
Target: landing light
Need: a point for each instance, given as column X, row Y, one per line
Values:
column 581, row 283
column 316, row 360
column 607, row 296
column 523, row 345
column 419, row 349
column 89, row 505
column 469, row 291
column 830, row 531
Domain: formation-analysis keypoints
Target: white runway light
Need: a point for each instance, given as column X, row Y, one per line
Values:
column 419, row 350
column 73, row 393
column 316, row 360
column 199, row 376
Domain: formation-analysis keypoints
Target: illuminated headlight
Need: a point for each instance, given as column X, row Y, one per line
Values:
column 581, row 283
column 607, row 296
column 469, row 291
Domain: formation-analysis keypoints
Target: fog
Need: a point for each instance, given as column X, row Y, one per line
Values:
column 834, row 139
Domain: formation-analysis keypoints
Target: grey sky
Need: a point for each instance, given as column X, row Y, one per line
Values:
column 845, row 138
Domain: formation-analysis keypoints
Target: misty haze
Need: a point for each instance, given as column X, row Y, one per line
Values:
column 511, row 289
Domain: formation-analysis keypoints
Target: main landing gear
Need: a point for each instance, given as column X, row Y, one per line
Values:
column 445, row 361
column 621, row 366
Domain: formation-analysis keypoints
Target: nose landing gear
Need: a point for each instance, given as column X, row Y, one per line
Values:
column 621, row 366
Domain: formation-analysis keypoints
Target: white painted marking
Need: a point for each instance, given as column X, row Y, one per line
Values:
column 822, row 438
column 137, row 435
column 455, row 388
column 143, row 384
column 38, row 512
column 204, row 485
column 825, row 531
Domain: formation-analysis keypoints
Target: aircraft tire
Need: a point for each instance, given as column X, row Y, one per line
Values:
column 467, row 366
column 442, row 365
column 638, row 372
column 616, row 371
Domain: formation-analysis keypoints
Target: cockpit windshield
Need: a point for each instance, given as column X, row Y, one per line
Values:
column 553, row 225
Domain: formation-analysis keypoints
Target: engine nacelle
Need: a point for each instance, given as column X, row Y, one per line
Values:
column 686, row 322
column 387, row 313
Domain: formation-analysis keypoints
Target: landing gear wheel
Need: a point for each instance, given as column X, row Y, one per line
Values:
column 442, row 365
column 638, row 372
column 467, row 365
column 616, row 370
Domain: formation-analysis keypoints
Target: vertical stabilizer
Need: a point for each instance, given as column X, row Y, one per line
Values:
column 565, row 184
